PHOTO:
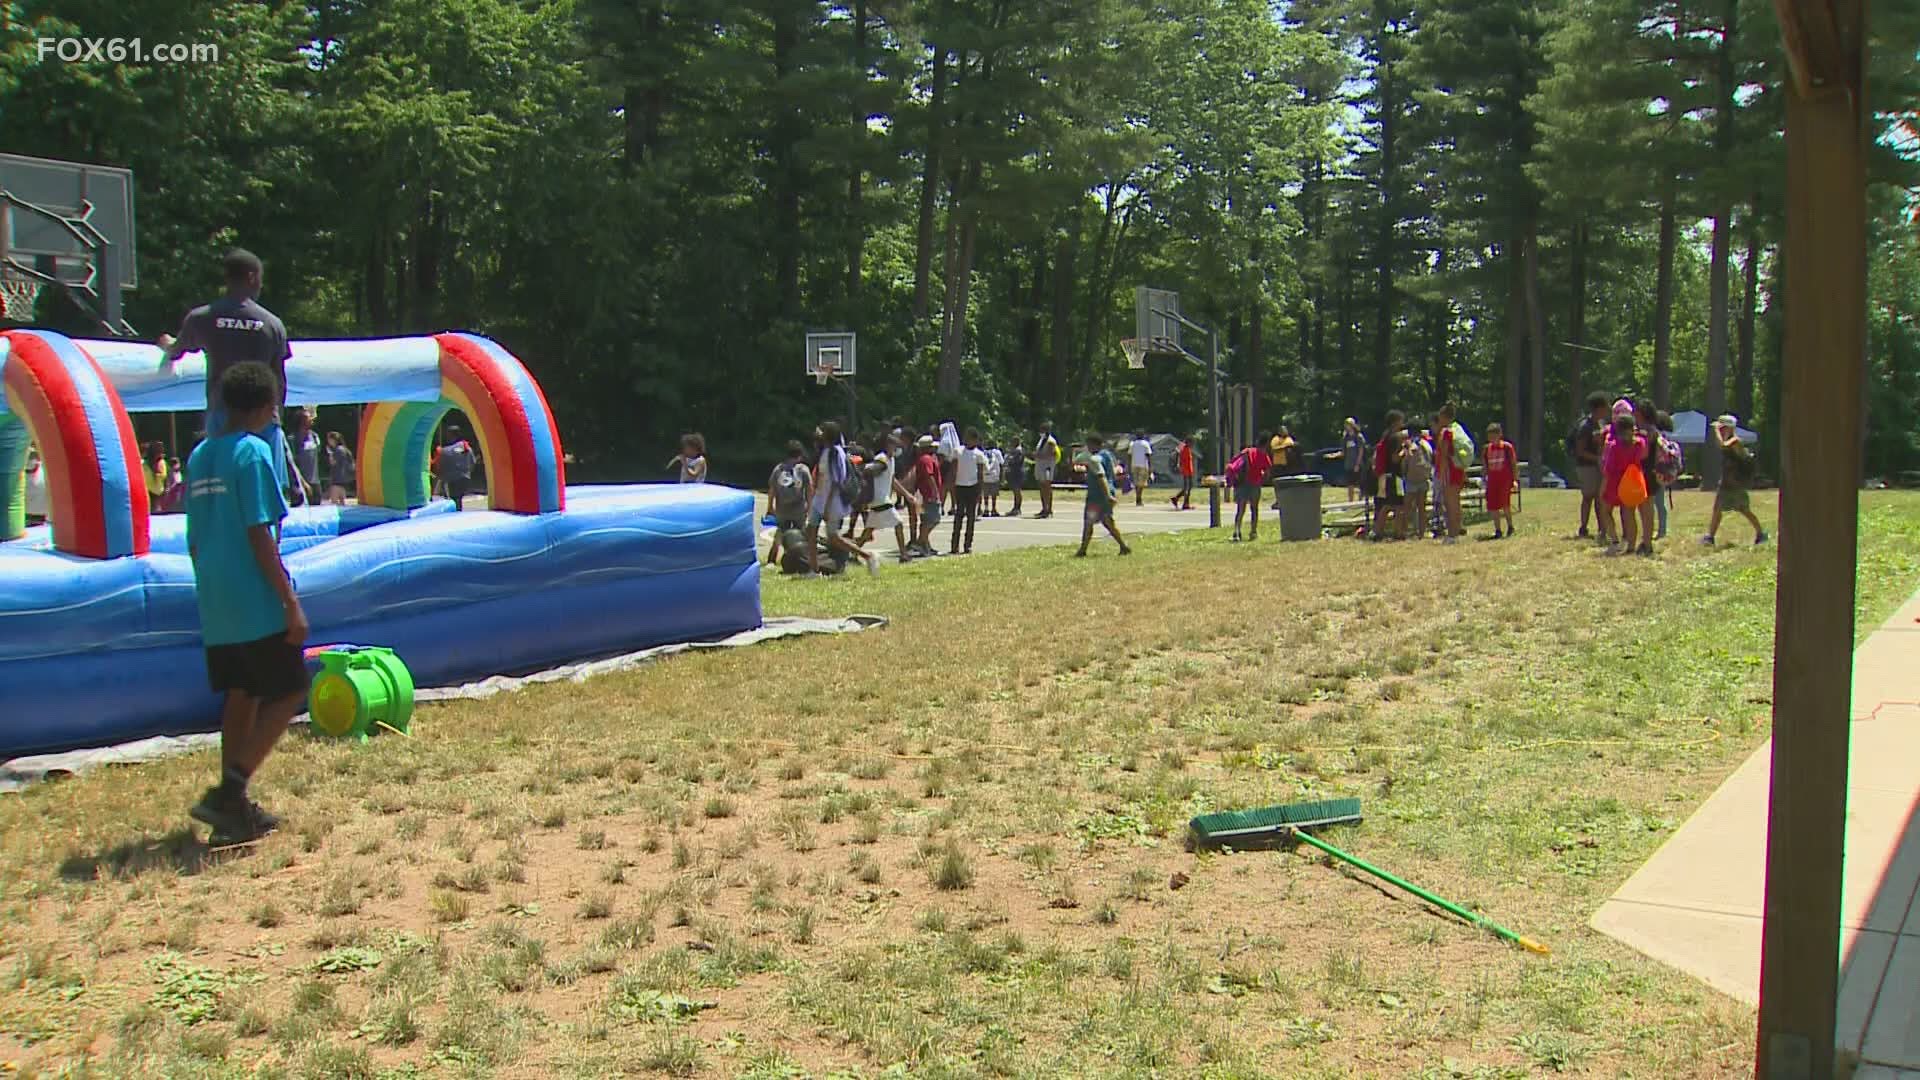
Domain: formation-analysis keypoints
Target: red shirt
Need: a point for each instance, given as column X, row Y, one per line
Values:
column 1502, row 459
column 1381, row 451
column 1443, row 459
column 1186, row 459
column 927, row 476
column 1259, row 464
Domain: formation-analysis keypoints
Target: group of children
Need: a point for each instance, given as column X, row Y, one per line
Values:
column 1628, row 463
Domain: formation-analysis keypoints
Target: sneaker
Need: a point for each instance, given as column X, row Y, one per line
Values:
column 1497, row 534
column 1760, row 537
column 1645, row 550
column 1235, row 540
column 231, row 820
column 264, row 821
column 1707, row 541
column 1081, row 554
column 1449, row 539
column 1125, row 550
column 1612, row 550
column 1583, row 535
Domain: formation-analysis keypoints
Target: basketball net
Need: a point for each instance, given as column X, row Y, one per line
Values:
column 1135, row 350
column 19, row 293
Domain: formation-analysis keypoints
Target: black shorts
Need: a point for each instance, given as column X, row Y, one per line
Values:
column 268, row 669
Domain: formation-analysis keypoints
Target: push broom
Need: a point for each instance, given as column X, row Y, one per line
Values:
column 1290, row 823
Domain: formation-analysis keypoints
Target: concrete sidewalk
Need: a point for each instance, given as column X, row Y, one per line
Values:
column 1697, row 903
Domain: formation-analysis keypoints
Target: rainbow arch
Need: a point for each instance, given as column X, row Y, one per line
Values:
column 64, row 401
column 520, row 443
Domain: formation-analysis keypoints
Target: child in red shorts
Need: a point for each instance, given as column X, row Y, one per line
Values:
column 1503, row 467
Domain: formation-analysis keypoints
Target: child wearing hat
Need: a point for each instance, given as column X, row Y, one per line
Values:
column 1736, row 478
column 1624, row 447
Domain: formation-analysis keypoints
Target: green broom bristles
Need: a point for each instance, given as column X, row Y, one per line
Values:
column 1272, row 820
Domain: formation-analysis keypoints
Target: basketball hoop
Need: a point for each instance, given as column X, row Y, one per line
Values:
column 1136, row 352
column 821, row 375
column 20, row 293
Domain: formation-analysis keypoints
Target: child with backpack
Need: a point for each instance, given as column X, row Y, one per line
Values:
column 1503, row 473
column 1736, row 478
column 1646, row 421
column 1666, row 466
column 789, row 489
column 1247, row 475
column 1623, row 485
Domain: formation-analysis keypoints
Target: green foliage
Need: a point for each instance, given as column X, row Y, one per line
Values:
column 650, row 202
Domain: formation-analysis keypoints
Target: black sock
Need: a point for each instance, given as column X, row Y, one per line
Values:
column 233, row 783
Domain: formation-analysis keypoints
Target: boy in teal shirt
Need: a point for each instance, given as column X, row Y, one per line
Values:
column 1100, row 496
column 250, row 616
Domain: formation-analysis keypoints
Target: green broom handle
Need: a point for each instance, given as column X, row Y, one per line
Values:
column 1477, row 920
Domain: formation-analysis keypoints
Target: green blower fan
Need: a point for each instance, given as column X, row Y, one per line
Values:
column 359, row 688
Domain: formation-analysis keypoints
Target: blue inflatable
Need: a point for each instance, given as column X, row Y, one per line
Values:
column 99, row 630
column 96, row 651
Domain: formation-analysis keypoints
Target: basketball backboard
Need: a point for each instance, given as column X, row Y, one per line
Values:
column 85, row 205
column 830, row 355
column 1156, row 318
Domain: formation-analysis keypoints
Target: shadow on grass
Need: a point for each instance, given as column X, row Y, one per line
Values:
column 180, row 851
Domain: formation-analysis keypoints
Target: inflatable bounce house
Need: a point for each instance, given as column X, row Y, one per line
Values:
column 99, row 632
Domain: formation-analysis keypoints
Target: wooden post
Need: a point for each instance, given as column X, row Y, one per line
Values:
column 1826, row 273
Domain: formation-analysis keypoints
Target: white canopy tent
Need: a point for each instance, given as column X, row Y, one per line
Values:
column 1690, row 429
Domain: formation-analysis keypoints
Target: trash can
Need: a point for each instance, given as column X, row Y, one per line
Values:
column 1299, row 499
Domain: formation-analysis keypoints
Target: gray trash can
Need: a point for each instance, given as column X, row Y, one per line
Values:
column 1299, row 499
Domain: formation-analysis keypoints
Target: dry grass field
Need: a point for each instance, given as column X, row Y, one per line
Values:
column 954, row 847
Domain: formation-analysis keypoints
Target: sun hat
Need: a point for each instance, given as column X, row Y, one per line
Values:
column 925, row 442
column 1726, row 420
column 1623, row 406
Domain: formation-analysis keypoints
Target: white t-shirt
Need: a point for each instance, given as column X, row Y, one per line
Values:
column 996, row 464
column 1142, row 455
column 882, row 480
column 971, row 463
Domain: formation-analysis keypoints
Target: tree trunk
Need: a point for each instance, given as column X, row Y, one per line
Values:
column 1537, row 355
column 786, row 208
column 1256, row 343
column 644, row 101
column 1031, row 307
column 426, row 264
column 1663, row 304
column 930, row 182
column 1718, row 283
column 1344, row 310
column 857, row 232
column 1743, row 366
column 1516, row 328
column 960, row 285
column 1443, row 349
column 1385, row 231
column 1066, row 247
column 1577, row 325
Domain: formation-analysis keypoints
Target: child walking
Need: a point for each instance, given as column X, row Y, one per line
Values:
column 1624, row 450
column 1503, row 467
column 1183, row 500
column 1249, row 481
column 1736, row 478
column 1101, row 495
column 251, row 621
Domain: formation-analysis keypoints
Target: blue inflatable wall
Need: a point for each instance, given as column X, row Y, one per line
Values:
column 94, row 652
